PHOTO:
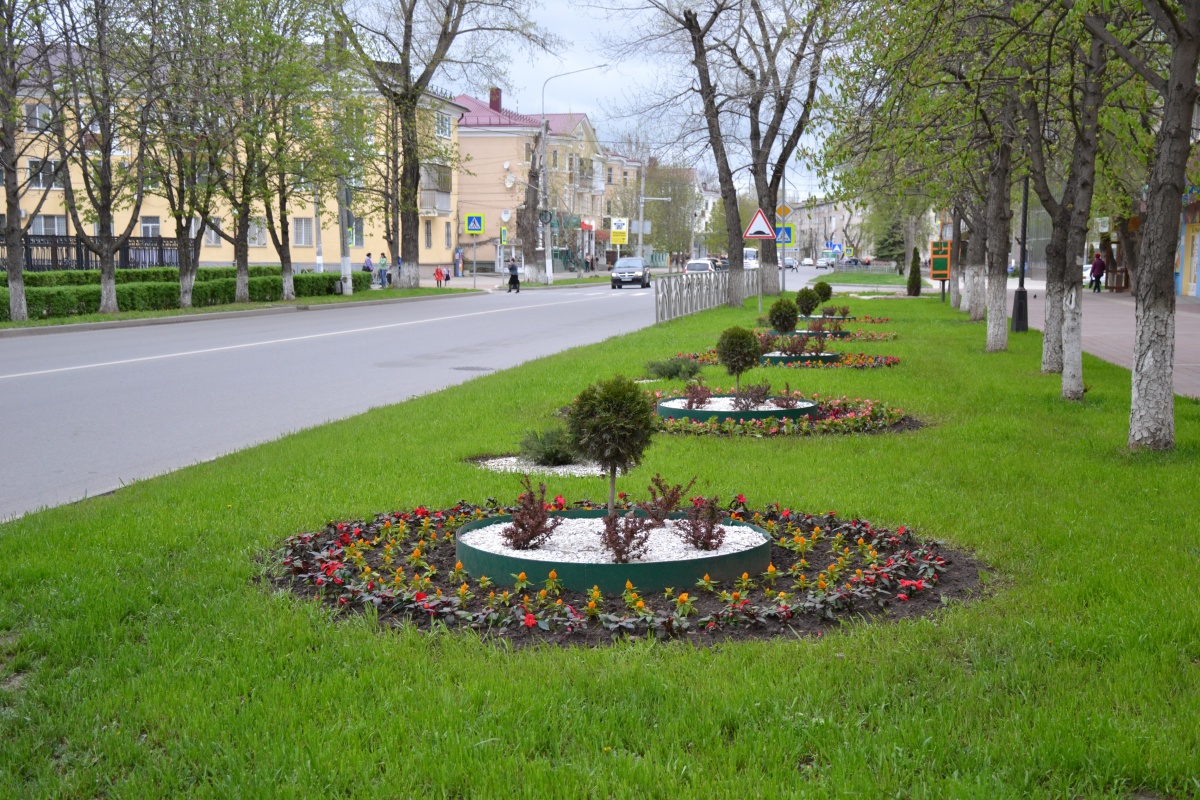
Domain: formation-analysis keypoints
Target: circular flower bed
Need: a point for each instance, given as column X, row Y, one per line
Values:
column 821, row 569
column 831, row 415
column 830, row 360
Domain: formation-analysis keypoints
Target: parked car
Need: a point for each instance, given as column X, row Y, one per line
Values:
column 789, row 263
column 631, row 269
column 806, row 262
column 854, row 262
column 824, row 263
column 698, row 265
column 721, row 263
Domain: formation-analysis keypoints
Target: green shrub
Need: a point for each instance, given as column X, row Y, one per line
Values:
column 823, row 290
column 738, row 351
column 914, row 274
column 91, row 277
column 807, row 301
column 552, row 447
column 783, row 315
column 612, row 423
column 676, row 368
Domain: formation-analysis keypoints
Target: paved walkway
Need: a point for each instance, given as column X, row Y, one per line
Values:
column 1108, row 327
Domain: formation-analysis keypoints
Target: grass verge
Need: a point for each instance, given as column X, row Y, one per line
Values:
column 865, row 279
column 142, row 657
column 378, row 294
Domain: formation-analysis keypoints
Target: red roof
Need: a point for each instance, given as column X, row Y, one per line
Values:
column 481, row 115
column 564, row 124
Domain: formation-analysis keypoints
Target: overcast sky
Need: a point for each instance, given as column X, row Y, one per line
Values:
column 595, row 92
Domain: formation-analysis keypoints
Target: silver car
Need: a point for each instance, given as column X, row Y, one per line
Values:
column 630, row 270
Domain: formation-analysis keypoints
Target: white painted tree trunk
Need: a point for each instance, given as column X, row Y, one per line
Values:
column 1152, row 412
column 1072, row 338
column 997, row 311
column 410, row 276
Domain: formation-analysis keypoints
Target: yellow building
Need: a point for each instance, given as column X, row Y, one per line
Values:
column 314, row 228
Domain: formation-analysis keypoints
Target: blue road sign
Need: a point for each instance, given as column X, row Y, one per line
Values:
column 837, row 247
column 785, row 234
column 828, row 244
column 475, row 223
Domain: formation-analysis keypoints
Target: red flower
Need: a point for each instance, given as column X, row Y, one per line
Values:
column 320, row 581
column 420, row 596
column 902, row 597
column 341, row 601
column 787, row 512
column 530, row 620
column 741, row 498
column 622, row 495
column 560, row 501
column 420, row 511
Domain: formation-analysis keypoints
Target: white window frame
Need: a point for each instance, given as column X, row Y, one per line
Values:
column 41, row 172
column 38, row 226
column 449, row 233
column 151, row 226
column 444, row 126
column 257, row 235
column 212, row 234
column 302, row 231
column 39, row 120
column 428, row 234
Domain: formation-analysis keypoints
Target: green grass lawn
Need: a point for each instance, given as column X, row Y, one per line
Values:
column 141, row 658
column 378, row 294
column 865, row 279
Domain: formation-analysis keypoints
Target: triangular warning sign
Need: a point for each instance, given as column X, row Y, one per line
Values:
column 759, row 228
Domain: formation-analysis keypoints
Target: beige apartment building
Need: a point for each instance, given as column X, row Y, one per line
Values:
column 314, row 224
column 584, row 181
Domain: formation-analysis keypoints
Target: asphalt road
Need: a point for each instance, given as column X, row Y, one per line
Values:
column 89, row 411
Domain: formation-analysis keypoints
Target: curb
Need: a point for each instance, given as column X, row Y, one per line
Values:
column 9, row 333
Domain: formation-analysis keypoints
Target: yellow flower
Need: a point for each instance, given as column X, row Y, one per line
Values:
column 860, row 541
column 553, row 575
column 737, row 596
column 706, row 576
column 542, row 594
column 492, row 594
column 558, row 602
column 458, row 565
column 629, row 585
column 641, row 604
column 782, row 540
column 591, row 605
column 745, row 576
column 683, row 597
column 821, row 584
column 770, row 568
column 521, row 577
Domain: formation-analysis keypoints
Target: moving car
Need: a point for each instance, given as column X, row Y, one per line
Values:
column 789, row 263
column 631, row 269
column 824, row 263
column 698, row 265
column 806, row 262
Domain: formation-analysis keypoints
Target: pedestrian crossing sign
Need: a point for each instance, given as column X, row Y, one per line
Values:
column 475, row 224
column 503, row 235
column 785, row 234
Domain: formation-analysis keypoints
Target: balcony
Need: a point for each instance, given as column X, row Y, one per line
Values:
column 434, row 203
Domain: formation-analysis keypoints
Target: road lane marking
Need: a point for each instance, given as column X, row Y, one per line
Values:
column 306, row 337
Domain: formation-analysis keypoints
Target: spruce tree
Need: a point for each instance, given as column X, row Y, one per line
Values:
column 914, row 274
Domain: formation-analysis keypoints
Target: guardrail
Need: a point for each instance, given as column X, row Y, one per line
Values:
column 686, row 293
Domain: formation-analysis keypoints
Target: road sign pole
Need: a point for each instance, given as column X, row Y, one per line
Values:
column 474, row 260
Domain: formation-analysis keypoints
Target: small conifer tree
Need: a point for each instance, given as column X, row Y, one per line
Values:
column 914, row 274
column 738, row 351
column 611, row 423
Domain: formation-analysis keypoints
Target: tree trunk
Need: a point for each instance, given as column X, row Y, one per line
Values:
column 955, row 251
column 976, row 255
column 1152, row 411
column 410, row 188
column 1056, row 275
column 999, row 221
column 187, row 264
column 18, row 310
column 729, row 198
column 108, row 282
column 241, row 259
column 612, row 489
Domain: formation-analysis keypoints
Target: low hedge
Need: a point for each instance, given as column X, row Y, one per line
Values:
column 89, row 277
column 72, row 300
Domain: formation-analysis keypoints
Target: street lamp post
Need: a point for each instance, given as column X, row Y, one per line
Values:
column 545, row 172
column 1020, row 316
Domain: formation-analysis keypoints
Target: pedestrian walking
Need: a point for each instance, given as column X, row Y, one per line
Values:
column 383, row 272
column 514, row 282
column 458, row 262
column 446, row 276
column 1098, row 270
column 367, row 265
column 437, row 276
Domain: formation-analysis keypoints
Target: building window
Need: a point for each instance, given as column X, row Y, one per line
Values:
column 49, row 225
column 528, row 153
column 624, row 178
column 258, row 233
column 610, row 176
column 302, row 231
column 444, row 127
column 37, row 117
column 212, row 234
column 428, row 234
column 151, row 229
column 553, row 159
column 96, row 229
column 448, row 234
column 608, row 207
column 41, row 174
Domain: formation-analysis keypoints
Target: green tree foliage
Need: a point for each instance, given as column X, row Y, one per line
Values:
column 807, row 300
column 612, row 423
column 824, row 291
column 914, row 274
column 737, row 350
column 783, row 313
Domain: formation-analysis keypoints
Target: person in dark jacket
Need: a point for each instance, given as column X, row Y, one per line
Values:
column 1097, row 273
column 514, row 281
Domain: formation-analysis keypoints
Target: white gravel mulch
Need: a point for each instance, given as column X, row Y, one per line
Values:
column 780, row 354
column 578, row 541
column 518, row 464
column 726, row 404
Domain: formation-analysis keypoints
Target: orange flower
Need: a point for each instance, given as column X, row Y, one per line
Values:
column 553, row 575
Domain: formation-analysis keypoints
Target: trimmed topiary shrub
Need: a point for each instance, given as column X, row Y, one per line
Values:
column 914, row 274
column 783, row 315
column 823, row 290
column 612, row 423
column 737, row 350
column 673, row 369
column 807, row 301
column 552, row 447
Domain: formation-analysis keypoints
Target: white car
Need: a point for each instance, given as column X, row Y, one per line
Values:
column 698, row 265
column 824, row 263
column 806, row 262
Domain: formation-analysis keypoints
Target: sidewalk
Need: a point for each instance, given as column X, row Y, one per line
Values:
column 1108, row 328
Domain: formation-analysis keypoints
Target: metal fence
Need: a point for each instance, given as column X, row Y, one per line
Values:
column 682, row 294
column 42, row 253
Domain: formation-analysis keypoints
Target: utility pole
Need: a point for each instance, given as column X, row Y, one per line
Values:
column 346, row 229
column 641, row 210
